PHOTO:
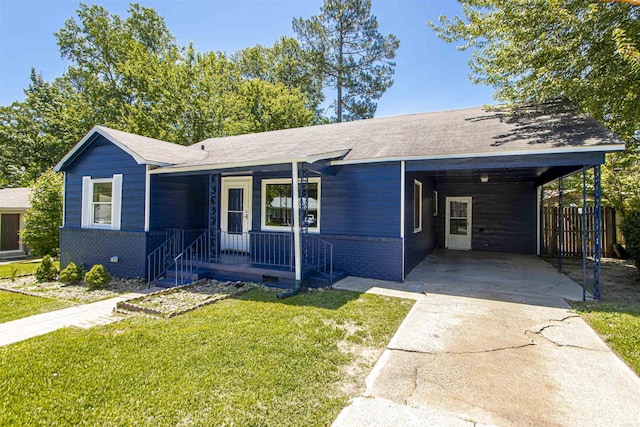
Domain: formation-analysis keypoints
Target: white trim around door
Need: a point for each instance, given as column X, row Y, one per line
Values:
column 458, row 223
column 235, row 207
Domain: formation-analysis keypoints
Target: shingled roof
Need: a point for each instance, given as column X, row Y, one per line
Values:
column 472, row 132
column 15, row 198
column 469, row 132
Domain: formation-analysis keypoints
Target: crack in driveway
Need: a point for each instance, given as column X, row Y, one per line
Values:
column 436, row 353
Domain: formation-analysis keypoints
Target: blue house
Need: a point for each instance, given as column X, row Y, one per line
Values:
column 369, row 198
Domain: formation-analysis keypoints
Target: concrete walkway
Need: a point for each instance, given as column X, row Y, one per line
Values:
column 481, row 351
column 82, row 316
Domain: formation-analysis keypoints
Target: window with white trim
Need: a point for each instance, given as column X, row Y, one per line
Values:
column 278, row 205
column 417, row 206
column 101, row 202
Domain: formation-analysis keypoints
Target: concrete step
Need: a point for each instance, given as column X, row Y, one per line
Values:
column 319, row 280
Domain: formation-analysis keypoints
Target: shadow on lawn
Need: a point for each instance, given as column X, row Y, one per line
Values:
column 329, row 299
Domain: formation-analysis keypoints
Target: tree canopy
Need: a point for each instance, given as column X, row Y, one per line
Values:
column 585, row 52
column 349, row 53
column 131, row 75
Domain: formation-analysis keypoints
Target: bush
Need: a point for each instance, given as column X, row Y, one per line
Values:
column 98, row 277
column 71, row 275
column 631, row 231
column 46, row 271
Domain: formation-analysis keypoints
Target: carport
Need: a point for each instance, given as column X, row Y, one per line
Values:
column 487, row 196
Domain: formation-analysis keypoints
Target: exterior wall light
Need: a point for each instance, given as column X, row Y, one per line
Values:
column 484, row 178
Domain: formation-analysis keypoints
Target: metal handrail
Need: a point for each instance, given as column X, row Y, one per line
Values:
column 189, row 260
column 161, row 259
column 319, row 256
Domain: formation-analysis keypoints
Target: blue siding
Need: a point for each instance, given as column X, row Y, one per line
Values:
column 420, row 244
column 362, row 200
column 102, row 159
column 179, row 202
column 503, row 215
column 360, row 216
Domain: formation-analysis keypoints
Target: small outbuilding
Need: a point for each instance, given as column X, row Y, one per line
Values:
column 14, row 202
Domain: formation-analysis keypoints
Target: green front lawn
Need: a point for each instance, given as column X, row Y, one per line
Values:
column 16, row 306
column 252, row 360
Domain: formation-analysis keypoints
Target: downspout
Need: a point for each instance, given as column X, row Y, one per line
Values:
column 296, row 234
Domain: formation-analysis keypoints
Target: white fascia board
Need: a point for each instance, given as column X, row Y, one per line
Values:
column 97, row 129
column 594, row 149
column 303, row 159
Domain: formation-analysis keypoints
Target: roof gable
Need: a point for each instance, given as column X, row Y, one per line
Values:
column 142, row 149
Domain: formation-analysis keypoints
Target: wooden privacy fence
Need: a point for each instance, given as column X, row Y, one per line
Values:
column 572, row 231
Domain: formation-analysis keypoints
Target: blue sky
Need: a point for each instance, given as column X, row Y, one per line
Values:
column 430, row 75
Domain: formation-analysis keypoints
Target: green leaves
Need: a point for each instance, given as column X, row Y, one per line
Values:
column 349, row 54
column 44, row 218
column 586, row 52
column 130, row 74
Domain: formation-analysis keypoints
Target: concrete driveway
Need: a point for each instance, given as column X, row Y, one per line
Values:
column 492, row 341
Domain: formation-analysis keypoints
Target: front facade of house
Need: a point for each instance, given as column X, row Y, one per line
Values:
column 14, row 203
column 374, row 197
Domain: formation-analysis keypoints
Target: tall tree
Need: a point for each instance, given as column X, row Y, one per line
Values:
column 101, row 45
column 286, row 62
column 350, row 54
column 578, row 50
column 37, row 132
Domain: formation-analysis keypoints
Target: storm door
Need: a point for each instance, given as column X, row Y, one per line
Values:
column 458, row 225
column 236, row 213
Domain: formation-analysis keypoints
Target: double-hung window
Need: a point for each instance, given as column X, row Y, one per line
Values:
column 278, row 205
column 101, row 202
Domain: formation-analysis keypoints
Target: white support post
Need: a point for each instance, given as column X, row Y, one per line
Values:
column 297, row 246
column 402, row 209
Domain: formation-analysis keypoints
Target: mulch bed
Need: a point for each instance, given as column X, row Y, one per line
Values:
column 80, row 293
column 182, row 299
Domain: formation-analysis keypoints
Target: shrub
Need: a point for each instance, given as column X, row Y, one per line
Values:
column 71, row 275
column 46, row 271
column 631, row 231
column 98, row 277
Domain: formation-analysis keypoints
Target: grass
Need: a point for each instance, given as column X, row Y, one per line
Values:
column 619, row 325
column 16, row 306
column 617, row 316
column 251, row 360
column 22, row 268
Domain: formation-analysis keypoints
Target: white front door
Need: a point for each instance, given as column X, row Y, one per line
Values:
column 235, row 213
column 458, row 225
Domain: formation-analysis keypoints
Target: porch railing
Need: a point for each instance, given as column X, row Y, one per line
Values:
column 162, row 258
column 318, row 256
column 189, row 260
column 256, row 247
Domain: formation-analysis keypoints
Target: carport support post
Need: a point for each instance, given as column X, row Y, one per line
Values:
column 560, row 225
column 597, row 218
column 296, row 224
column 584, row 233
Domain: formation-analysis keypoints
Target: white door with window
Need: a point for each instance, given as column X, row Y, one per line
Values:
column 458, row 223
column 235, row 213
